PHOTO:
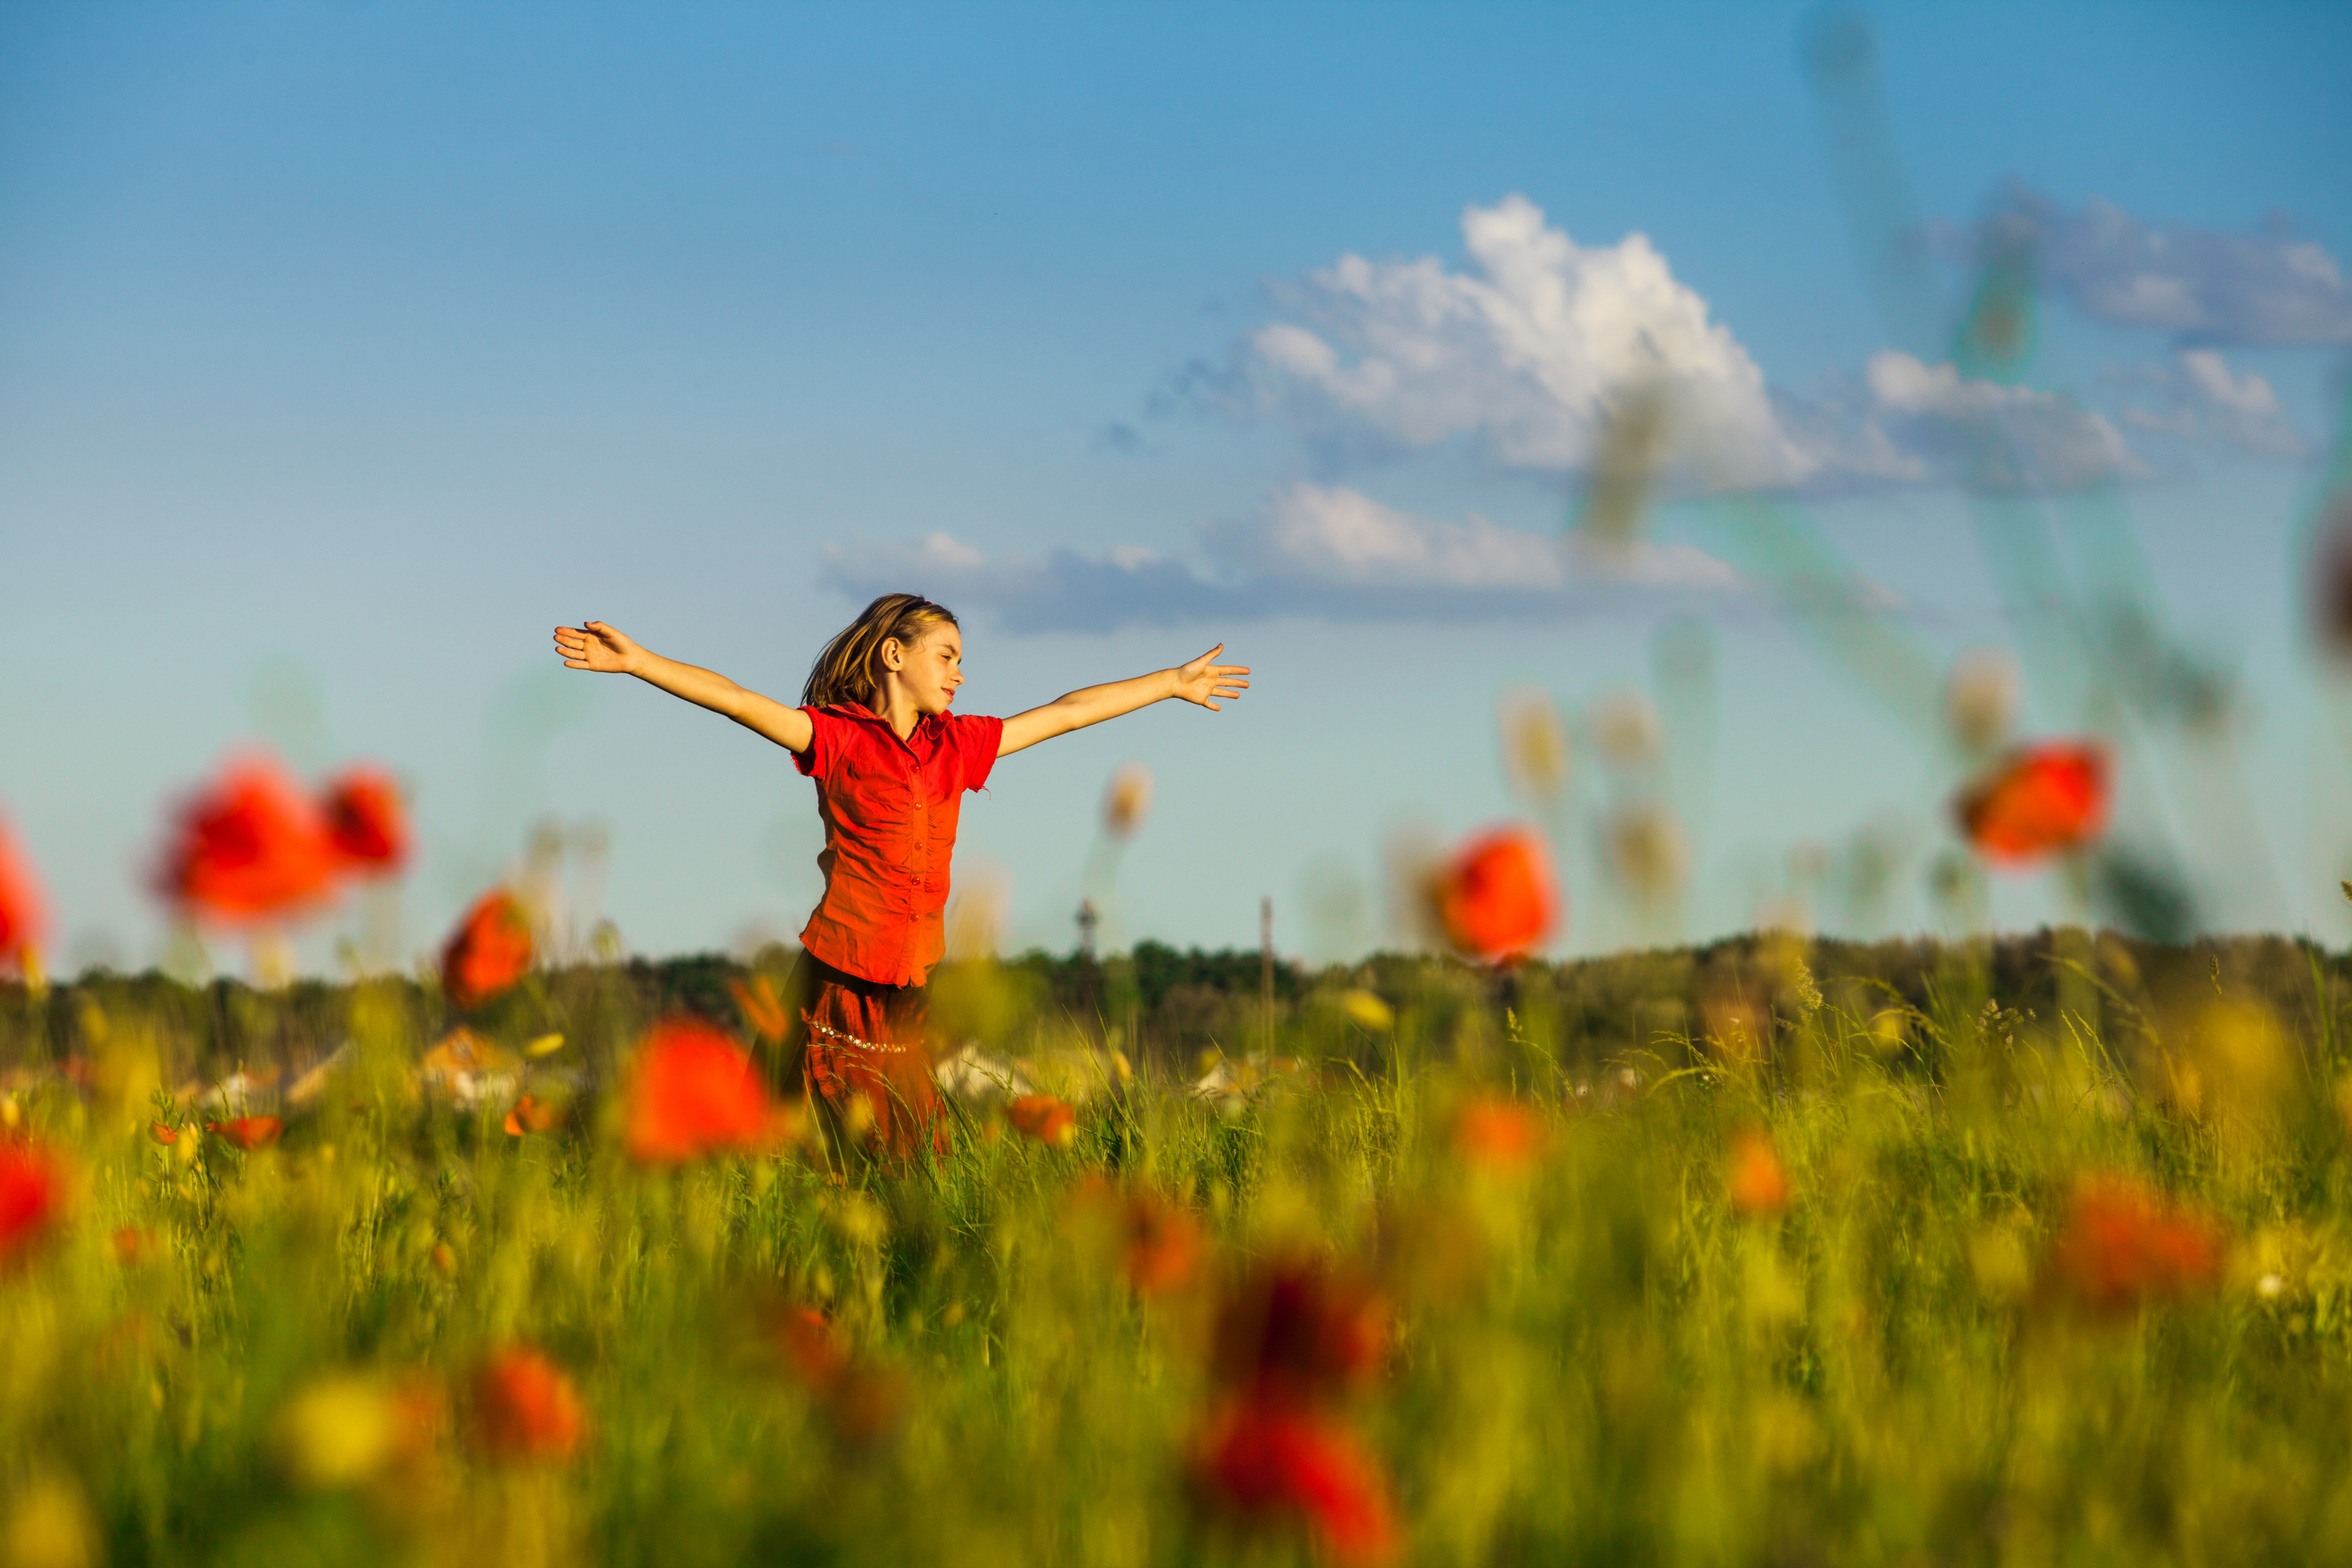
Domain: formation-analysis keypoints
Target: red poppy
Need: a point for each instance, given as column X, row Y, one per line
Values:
column 163, row 1132
column 1498, row 1134
column 1269, row 1462
column 1298, row 1331
column 2035, row 802
column 532, row 1115
column 250, row 846
column 489, row 951
column 132, row 1244
column 694, row 1092
column 1163, row 1244
column 525, row 1408
column 761, row 1007
column 811, row 1347
column 2123, row 1245
column 1043, row 1118
column 367, row 822
column 248, row 1132
column 1494, row 897
column 23, row 921
column 1757, row 1182
column 32, row 1196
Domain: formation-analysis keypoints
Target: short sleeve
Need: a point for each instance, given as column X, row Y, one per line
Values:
column 975, row 738
column 824, row 740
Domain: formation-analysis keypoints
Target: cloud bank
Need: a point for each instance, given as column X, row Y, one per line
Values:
column 2205, row 288
column 1320, row 550
column 1529, row 351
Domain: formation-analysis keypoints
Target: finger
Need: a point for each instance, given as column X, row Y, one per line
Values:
column 1211, row 653
column 1212, row 707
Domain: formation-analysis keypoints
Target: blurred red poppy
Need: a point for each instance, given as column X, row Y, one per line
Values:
column 2123, row 1245
column 250, row 846
column 1163, row 1244
column 1043, row 1118
column 367, row 822
column 163, row 1132
column 23, row 921
column 1269, row 1462
column 32, row 1196
column 2036, row 801
column 248, row 1132
column 532, row 1115
column 131, row 1245
column 525, row 1408
column 489, row 951
column 811, row 1347
column 1498, row 1134
column 1298, row 1331
column 1756, row 1181
column 694, row 1092
column 1495, row 897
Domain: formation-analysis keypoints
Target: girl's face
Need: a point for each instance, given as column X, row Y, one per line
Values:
column 930, row 670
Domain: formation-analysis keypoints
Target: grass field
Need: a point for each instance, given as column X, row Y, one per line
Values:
column 1778, row 1253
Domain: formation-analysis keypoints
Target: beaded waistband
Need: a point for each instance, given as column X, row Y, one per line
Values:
column 852, row 1041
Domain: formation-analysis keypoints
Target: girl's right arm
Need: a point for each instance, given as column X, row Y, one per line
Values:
column 606, row 649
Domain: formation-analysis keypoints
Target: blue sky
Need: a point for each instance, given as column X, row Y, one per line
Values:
column 344, row 349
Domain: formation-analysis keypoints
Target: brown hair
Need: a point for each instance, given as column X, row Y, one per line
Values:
column 847, row 671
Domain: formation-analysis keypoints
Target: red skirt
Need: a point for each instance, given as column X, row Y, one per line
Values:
column 864, row 1052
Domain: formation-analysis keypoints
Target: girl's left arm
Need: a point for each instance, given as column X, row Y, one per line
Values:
column 1200, row 681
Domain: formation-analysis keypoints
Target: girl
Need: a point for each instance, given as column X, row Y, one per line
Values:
column 891, row 765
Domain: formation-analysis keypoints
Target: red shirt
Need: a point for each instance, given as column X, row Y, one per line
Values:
column 889, row 808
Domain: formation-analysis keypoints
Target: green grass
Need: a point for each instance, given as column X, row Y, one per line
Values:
column 1594, row 1359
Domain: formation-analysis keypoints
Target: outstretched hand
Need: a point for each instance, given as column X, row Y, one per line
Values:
column 1203, row 682
column 594, row 645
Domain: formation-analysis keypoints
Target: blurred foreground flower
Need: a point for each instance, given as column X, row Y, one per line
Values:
column 1046, row 1118
column 366, row 821
column 250, row 846
column 1756, row 1180
column 1160, row 1245
column 1499, row 1134
column 22, row 920
column 347, row 1428
column 1626, row 729
column 525, row 1408
column 49, row 1524
column 1534, row 744
column 1980, row 701
column 2124, row 1244
column 489, row 952
column 693, row 1092
column 32, row 1197
column 1493, row 898
column 248, row 1132
column 532, row 1115
column 2035, row 802
column 1648, row 852
column 1270, row 1463
column 1127, row 800
column 864, row 1403
column 1299, row 1332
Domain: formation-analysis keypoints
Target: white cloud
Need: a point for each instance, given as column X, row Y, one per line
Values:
column 1993, row 437
column 1312, row 550
column 1524, row 353
column 1532, row 348
column 2201, row 284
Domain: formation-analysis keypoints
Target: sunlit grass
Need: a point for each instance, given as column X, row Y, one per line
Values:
column 1609, row 1337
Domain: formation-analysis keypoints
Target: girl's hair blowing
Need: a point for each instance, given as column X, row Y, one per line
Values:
column 847, row 671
